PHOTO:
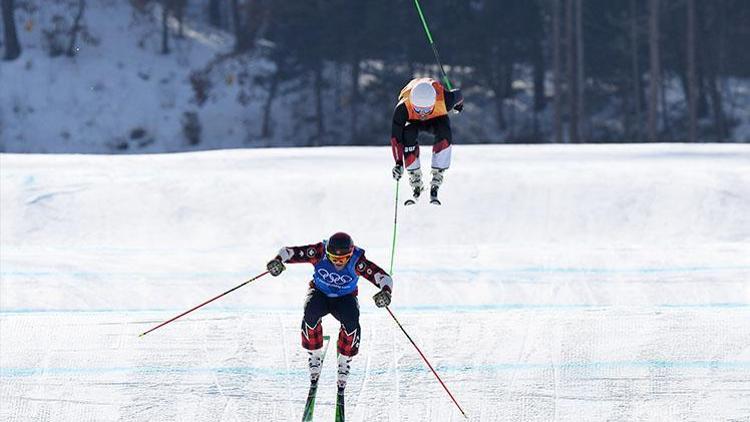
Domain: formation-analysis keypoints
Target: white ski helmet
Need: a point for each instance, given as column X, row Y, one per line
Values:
column 422, row 97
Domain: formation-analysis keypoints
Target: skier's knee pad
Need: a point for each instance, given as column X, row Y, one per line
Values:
column 312, row 337
column 348, row 344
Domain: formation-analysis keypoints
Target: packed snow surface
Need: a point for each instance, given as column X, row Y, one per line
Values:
column 555, row 283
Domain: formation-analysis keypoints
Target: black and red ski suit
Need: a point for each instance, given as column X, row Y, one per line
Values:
column 344, row 308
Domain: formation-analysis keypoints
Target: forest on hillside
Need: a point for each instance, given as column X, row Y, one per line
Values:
column 531, row 70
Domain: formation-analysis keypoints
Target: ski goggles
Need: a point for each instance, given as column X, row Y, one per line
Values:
column 339, row 260
column 422, row 111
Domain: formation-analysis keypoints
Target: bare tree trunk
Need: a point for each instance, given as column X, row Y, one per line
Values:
column 538, row 72
column 272, row 91
column 581, row 73
column 665, row 122
column 354, row 104
column 164, row 27
column 264, row 21
column 636, row 67
column 76, row 28
column 214, row 13
column 556, row 46
column 717, row 107
column 240, row 39
column 692, row 88
column 716, row 68
column 12, row 47
column 572, row 72
column 499, row 79
column 655, row 72
column 180, row 14
column 319, row 114
column 539, row 99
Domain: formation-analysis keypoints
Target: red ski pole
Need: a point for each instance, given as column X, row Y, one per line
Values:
column 204, row 303
column 427, row 362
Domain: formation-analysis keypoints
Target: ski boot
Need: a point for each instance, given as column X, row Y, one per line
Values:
column 315, row 362
column 437, row 180
column 415, row 181
column 344, row 366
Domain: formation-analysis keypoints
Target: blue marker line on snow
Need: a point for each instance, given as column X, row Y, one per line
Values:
column 483, row 368
column 481, row 271
column 409, row 309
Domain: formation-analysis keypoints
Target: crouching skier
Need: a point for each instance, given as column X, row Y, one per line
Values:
column 423, row 105
column 333, row 289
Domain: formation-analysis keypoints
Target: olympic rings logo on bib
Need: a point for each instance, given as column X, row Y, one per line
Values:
column 334, row 278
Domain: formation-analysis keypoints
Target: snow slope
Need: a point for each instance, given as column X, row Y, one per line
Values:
column 555, row 283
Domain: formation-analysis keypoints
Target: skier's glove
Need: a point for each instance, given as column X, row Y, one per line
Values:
column 275, row 267
column 458, row 99
column 382, row 298
column 398, row 171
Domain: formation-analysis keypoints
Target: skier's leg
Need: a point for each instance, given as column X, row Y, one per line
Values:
column 441, row 154
column 316, row 306
column 441, row 149
column 411, row 159
column 411, row 147
column 347, row 312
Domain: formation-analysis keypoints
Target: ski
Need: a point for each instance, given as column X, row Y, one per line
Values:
column 340, row 405
column 310, row 404
column 417, row 191
column 307, row 414
column 435, row 201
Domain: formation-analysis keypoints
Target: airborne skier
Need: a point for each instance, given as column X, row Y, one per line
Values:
column 338, row 264
column 423, row 105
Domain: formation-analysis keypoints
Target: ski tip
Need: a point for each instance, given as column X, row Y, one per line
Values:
column 435, row 202
column 409, row 202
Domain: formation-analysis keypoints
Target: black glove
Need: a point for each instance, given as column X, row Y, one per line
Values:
column 382, row 298
column 275, row 267
column 398, row 171
column 458, row 99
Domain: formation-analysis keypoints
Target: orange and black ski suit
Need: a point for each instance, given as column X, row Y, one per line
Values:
column 407, row 124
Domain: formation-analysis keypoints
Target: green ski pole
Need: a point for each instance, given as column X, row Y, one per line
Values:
column 395, row 222
column 432, row 44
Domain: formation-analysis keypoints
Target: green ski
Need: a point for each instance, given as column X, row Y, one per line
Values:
column 340, row 405
column 307, row 415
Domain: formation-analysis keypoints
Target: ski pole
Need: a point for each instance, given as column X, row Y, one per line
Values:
column 395, row 221
column 432, row 44
column 427, row 362
column 204, row 303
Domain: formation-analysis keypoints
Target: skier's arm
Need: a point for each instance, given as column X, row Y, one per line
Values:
column 400, row 116
column 375, row 274
column 454, row 100
column 295, row 255
column 300, row 254
column 378, row 277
